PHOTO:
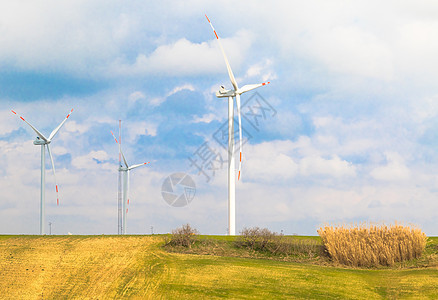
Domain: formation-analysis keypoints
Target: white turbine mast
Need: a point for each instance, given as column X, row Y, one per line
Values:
column 124, row 169
column 43, row 142
column 230, row 94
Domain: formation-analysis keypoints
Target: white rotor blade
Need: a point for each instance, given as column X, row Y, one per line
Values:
column 240, row 134
column 55, row 131
column 120, row 150
column 249, row 87
column 115, row 138
column 124, row 159
column 139, row 165
column 34, row 129
column 54, row 174
column 230, row 72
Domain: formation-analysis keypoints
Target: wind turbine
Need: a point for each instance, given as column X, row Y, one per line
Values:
column 43, row 141
column 230, row 94
column 124, row 173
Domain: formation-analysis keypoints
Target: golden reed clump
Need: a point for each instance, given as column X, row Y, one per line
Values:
column 372, row 245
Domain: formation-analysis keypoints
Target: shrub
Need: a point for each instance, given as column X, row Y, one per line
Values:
column 372, row 245
column 184, row 236
column 262, row 239
column 255, row 238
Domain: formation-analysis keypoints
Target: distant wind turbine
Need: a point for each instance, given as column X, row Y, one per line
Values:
column 43, row 141
column 124, row 171
column 235, row 92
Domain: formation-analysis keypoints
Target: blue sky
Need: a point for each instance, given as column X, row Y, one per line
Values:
column 354, row 137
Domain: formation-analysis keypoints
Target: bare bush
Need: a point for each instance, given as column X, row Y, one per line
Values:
column 372, row 245
column 262, row 239
column 255, row 238
column 184, row 236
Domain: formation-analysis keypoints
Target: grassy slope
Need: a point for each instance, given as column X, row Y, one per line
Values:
column 113, row 266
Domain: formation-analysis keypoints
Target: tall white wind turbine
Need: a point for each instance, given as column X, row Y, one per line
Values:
column 43, row 142
column 230, row 94
column 124, row 169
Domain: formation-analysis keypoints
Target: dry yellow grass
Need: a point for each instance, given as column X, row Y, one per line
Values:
column 372, row 245
column 48, row 268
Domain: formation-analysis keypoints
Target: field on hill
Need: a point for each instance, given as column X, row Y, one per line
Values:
column 100, row 267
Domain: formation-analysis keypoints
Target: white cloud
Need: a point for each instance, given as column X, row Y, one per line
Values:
column 135, row 96
column 7, row 122
column 74, row 127
column 207, row 118
column 394, row 170
column 183, row 57
column 59, row 150
column 180, row 88
column 333, row 167
column 93, row 160
column 52, row 35
column 135, row 129
column 263, row 70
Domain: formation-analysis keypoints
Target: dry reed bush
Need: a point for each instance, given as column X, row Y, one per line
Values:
column 184, row 236
column 372, row 245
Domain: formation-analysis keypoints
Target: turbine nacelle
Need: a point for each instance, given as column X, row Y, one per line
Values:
column 40, row 142
column 223, row 93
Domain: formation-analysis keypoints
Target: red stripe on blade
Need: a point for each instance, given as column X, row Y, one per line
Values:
column 13, row 111
column 207, row 19
column 22, row 118
column 216, row 34
column 238, row 177
column 240, row 156
column 57, row 201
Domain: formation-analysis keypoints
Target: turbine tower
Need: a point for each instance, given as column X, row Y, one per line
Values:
column 42, row 141
column 231, row 94
column 124, row 175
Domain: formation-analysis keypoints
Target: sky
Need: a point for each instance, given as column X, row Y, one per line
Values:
column 347, row 131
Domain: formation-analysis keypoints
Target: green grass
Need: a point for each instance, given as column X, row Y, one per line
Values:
column 100, row 267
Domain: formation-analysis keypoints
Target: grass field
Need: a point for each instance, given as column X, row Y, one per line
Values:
column 101, row 267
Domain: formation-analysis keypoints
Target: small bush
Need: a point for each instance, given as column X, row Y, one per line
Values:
column 372, row 245
column 262, row 239
column 255, row 238
column 184, row 236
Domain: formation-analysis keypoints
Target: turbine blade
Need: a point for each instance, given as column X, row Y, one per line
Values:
column 120, row 151
column 139, row 165
column 54, row 174
column 124, row 159
column 230, row 72
column 114, row 137
column 249, row 87
column 240, row 133
column 55, row 131
column 34, row 129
